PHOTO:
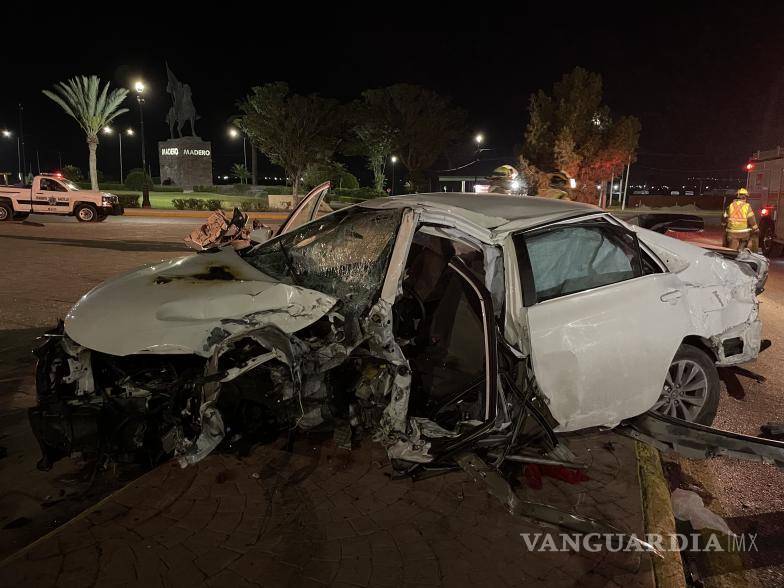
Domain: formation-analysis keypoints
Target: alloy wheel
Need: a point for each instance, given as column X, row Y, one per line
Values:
column 685, row 391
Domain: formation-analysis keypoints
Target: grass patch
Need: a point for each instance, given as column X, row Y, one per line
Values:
column 163, row 200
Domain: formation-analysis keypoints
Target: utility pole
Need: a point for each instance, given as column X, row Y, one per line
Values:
column 139, row 87
column 21, row 140
column 626, row 184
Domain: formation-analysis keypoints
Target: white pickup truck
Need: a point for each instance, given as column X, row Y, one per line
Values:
column 53, row 194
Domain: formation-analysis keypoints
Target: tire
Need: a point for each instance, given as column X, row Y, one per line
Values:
column 766, row 243
column 101, row 218
column 86, row 213
column 20, row 216
column 6, row 212
column 692, row 389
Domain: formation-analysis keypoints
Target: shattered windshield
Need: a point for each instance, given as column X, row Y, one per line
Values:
column 344, row 254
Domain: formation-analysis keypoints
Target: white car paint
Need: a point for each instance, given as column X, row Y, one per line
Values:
column 166, row 308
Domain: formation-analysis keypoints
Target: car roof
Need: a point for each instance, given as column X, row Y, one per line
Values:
column 490, row 211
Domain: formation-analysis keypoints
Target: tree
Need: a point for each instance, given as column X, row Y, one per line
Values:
column 293, row 131
column 371, row 137
column 92, row 107
column 240, row 171
column 318, row 173
column 424, row 125
column 73, row 173
column 572, row 131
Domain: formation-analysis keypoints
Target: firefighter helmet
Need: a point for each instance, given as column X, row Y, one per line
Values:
column 743, row 193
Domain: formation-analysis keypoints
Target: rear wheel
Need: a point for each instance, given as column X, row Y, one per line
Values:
column 86, row 213
column 767, row 244
column 691, row 389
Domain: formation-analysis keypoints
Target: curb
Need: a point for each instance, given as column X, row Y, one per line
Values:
column 668, row 570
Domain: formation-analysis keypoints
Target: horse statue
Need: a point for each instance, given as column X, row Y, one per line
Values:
column 182, row 111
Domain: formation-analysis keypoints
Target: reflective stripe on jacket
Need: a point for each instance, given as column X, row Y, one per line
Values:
column 739, row 216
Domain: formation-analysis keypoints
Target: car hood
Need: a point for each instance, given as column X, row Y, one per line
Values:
column 189, row 305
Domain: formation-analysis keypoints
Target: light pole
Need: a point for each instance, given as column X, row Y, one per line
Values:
column 21, row 140
column 139, row 87
column 234, row 133
column 8, row 134
column 393, row 159
column 130, row 133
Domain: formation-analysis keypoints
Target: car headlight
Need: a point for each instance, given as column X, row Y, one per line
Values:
column 109, row 198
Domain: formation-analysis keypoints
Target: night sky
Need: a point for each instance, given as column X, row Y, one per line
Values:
column 707, row 83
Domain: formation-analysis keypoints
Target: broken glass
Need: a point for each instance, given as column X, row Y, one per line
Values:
column 344, row 255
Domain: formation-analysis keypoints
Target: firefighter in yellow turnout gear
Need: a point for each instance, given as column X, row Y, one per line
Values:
column 740, row 224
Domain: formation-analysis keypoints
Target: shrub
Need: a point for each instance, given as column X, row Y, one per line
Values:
column 348, row 180
column 358, row 194
column 190, row 203
column 129, row 200
column 214, row 204
column 253, row 205
column 136, row 180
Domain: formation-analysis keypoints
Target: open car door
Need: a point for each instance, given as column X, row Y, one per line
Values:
column 589, row 298
column 307, row 210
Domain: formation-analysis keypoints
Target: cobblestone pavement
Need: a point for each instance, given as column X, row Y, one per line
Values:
column 325, row 516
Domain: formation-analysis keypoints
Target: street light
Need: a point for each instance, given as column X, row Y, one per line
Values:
column 393, row 159
column 130, row 133
column 234, row 133
column 139, row 87
column 479, row 138
column 7, row 135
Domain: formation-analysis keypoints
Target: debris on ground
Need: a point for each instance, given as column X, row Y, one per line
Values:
column 222, row 229
column 688, row 506
column 533, row 474
column 773, row 430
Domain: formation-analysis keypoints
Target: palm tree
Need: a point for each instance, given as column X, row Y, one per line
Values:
column 240, row 171
column 93, row 108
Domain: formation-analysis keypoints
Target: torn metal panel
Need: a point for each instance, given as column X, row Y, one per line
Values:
column 720, row 292
column 212, row 433
column 700, row 442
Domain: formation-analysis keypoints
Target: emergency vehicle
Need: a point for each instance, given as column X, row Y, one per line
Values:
column 54, row 194
column 765, row 183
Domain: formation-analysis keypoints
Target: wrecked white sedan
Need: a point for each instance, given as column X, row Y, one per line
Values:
column 440, row 325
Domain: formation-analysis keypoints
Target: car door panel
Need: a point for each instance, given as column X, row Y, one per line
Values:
column 602, row 334
column 602, row 355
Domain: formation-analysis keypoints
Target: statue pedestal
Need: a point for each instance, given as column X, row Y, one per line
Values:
column 186, row 162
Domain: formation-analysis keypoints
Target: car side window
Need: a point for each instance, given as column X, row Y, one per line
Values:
column 52, row 186
column 573, row 258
